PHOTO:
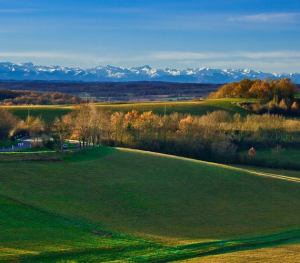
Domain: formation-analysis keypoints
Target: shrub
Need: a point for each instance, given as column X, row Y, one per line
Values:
column 282, row 105
column 49, row 144
column 252, row 152
column 295, row 107
column 36, row 144
column 277, row 151
column 223, row 150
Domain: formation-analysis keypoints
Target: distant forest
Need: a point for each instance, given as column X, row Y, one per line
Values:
column 117, row 90
column 26, row 97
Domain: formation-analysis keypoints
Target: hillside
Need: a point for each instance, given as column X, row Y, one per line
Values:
column 166, row 199
column 48, row 113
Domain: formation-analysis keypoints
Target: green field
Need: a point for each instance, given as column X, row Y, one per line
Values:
column 48, row 113
column 284, row 155
column 188, row 107
column 278, row 254
column 276, row 158
column 290, row 173
column 122, row 205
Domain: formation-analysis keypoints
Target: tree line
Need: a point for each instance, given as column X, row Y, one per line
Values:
column 18, row 97
column 114, row 89
column 216, row 136
column 268, row 89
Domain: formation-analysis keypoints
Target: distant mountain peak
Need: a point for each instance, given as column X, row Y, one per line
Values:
column 29, row 71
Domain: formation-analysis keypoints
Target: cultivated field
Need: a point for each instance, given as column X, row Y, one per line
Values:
column 123, row 205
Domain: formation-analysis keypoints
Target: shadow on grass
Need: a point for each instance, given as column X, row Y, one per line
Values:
column 89, row 254
column 138, row 250
column 153, row 252
column 219, row 247
column 88, row 154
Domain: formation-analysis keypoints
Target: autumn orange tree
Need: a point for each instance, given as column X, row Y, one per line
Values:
column 269, row 89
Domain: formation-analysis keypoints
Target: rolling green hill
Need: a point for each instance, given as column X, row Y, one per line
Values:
column 48, row 113
column 188, row 107
column 73, row 210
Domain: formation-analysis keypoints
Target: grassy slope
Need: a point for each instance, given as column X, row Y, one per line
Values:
column 284, row 155
column 34, row 235
column 189, row 107
column 290, row 173
column 140, row 193
column 279, row 254
column 272, row 158
column 137, row 193
column 49, row 113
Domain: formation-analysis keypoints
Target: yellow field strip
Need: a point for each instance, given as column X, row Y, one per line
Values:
column 276, row 176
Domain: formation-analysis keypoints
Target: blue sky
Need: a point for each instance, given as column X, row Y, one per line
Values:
column 260, row 35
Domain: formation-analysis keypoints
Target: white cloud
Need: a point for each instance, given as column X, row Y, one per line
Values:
column 218, row 55
column 185, row 55
column 276, row 61
column 268, row 17
column 275, row 54
column 35, row 54
column 281, row 66
column 81, row 58
column 161, row 55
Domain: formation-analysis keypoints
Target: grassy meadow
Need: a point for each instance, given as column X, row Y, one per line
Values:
column 120, row 205
column 278, row 254
column 188, row 107
column 275, row 158
column 284, row 155
column 48, row 113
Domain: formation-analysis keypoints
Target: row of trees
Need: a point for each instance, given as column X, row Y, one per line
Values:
column 86, row 123
column 268, row 89
column 209, row 137
column 115, row 89
column 215, row 134
column 11, row 126
column 18, row 97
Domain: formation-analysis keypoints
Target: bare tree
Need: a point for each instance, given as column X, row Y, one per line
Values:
column 62, row 129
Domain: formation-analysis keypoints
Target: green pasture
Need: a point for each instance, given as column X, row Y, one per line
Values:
column 276, row 158
column 34, row 235
column 29, row 234
column 285, row 155
column 284, row 172
column 75, row 209
column 48, row 113
column 188, row 107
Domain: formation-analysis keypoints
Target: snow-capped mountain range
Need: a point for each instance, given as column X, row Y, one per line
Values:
column 29, row 71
